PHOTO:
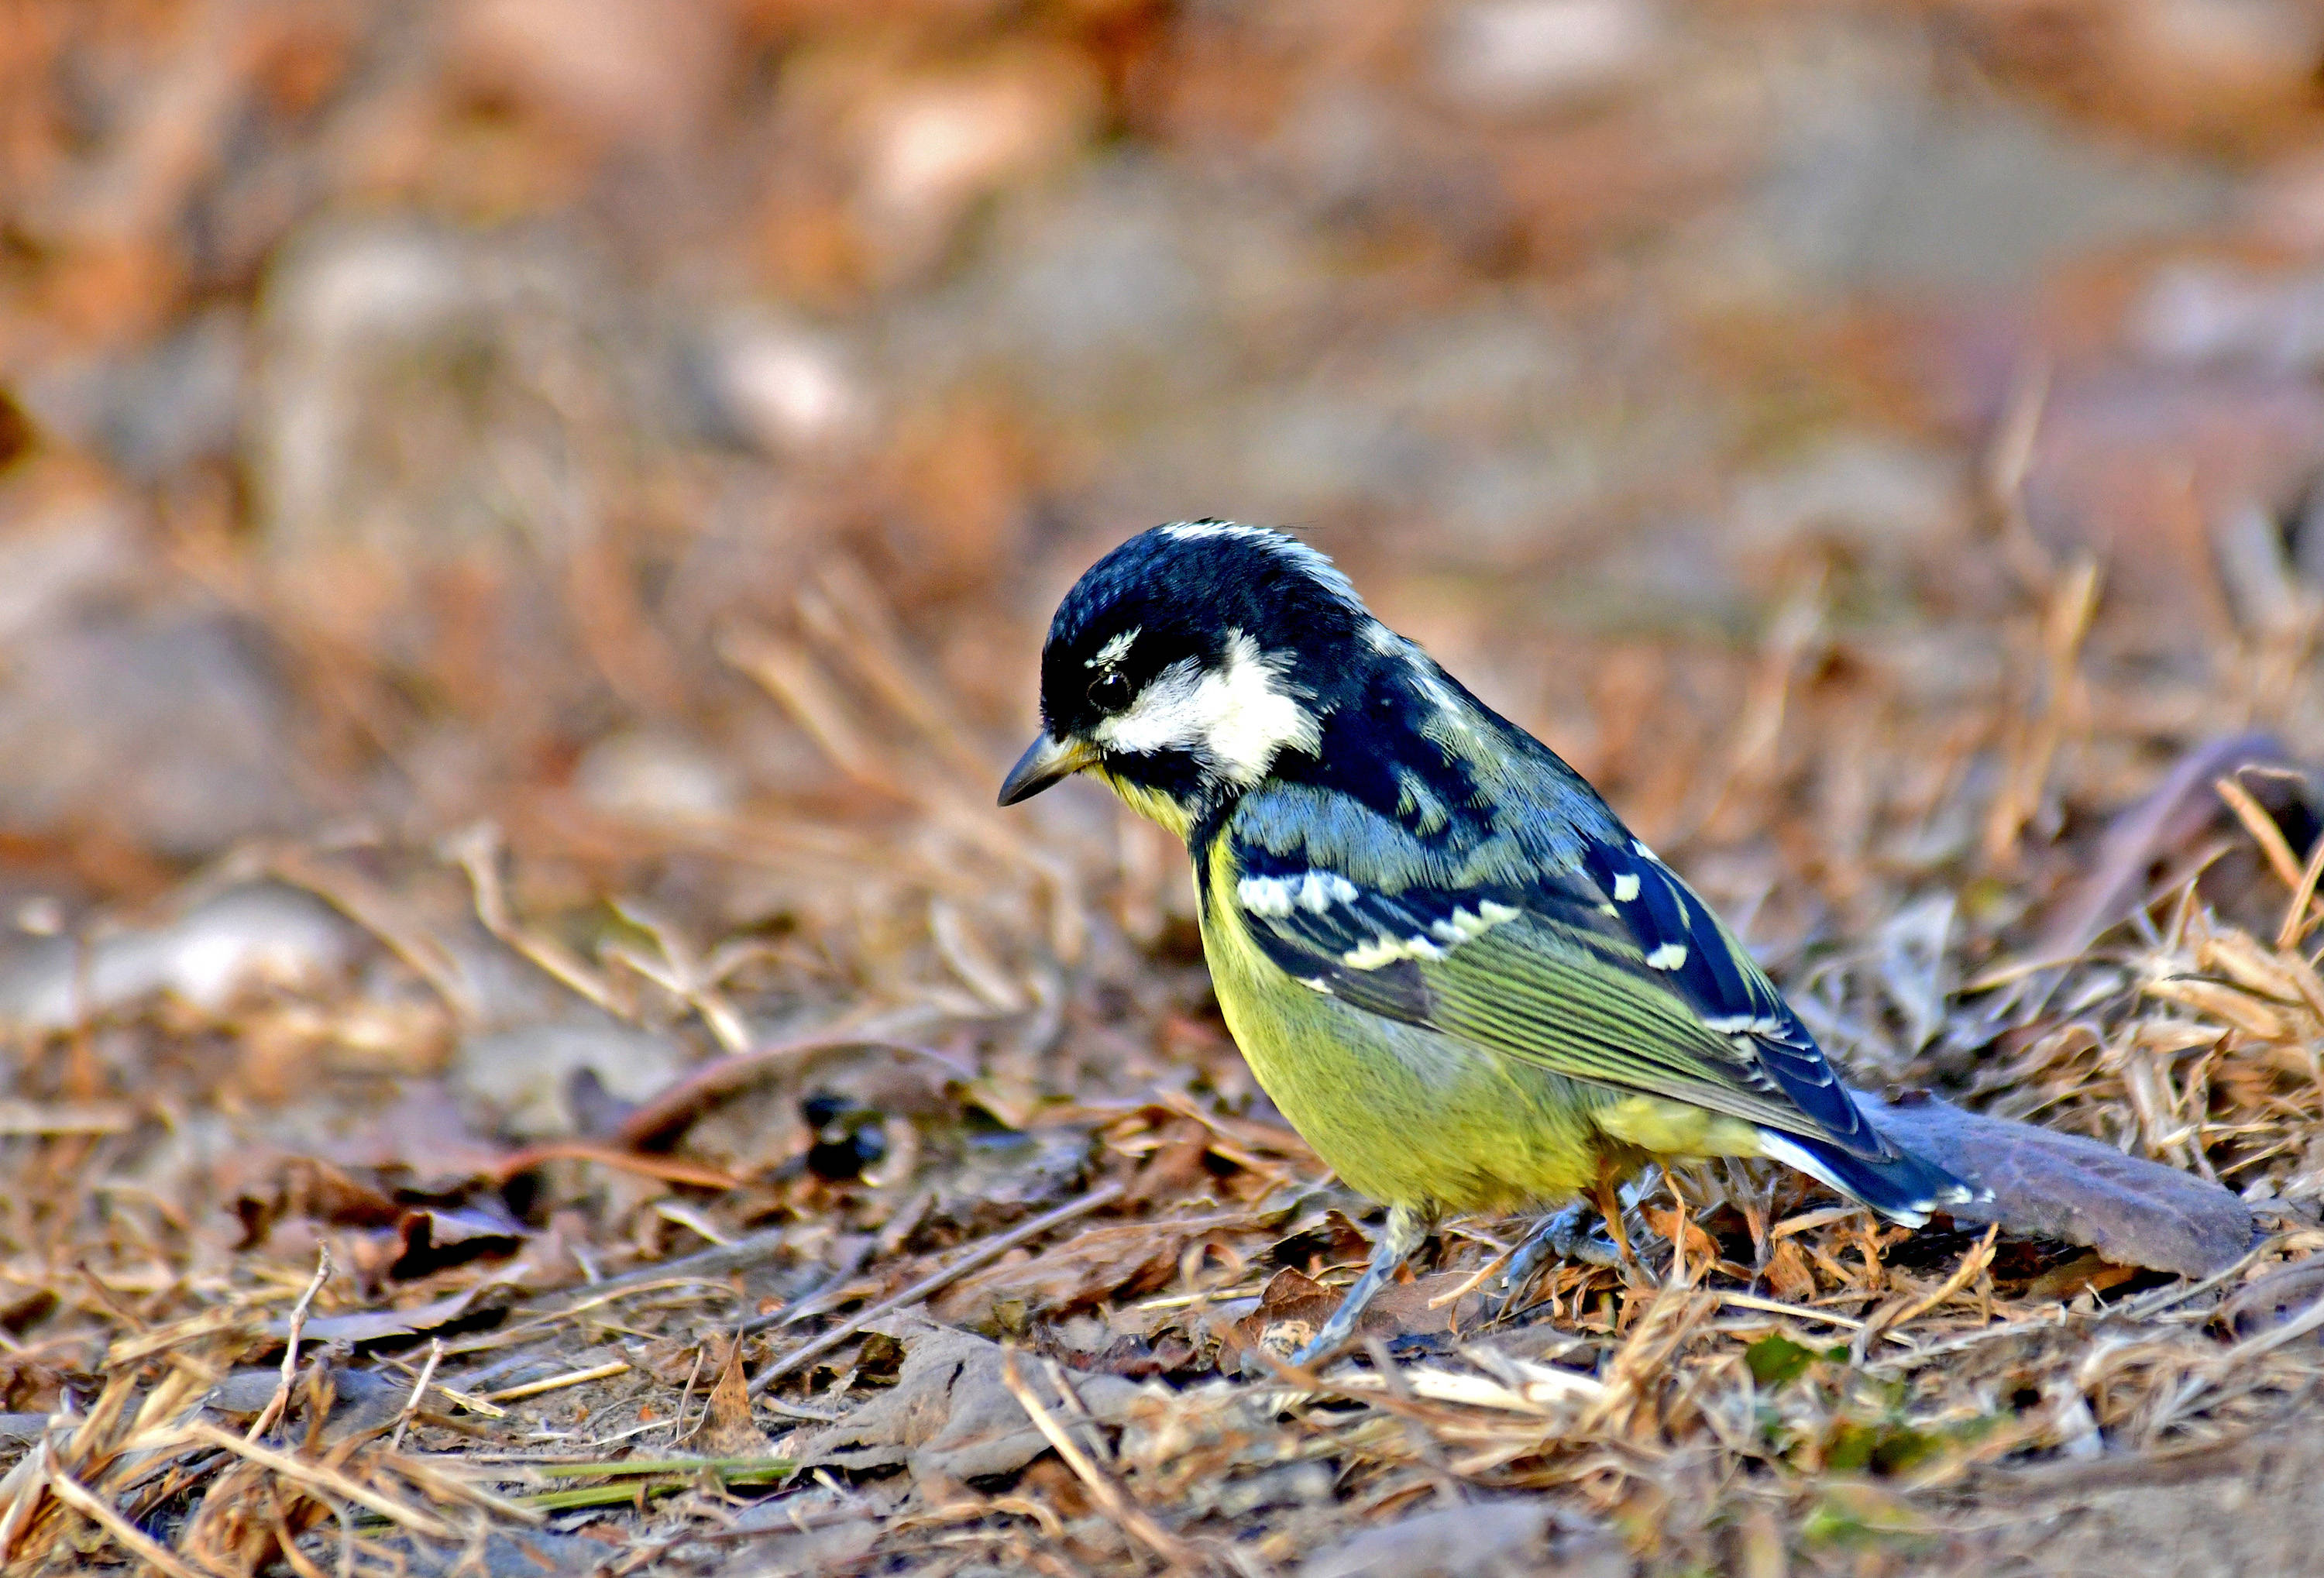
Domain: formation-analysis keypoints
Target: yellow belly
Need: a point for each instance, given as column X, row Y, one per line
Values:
column 1413, row 1118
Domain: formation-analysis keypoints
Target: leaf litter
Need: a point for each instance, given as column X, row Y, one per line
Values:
column 532, row 1050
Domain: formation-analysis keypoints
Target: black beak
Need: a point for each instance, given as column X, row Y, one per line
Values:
column 1046, row 762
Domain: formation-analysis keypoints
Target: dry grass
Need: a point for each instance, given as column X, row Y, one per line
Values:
column 1779, row 1380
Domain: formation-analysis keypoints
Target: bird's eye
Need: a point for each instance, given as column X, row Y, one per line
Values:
column 1109, row 692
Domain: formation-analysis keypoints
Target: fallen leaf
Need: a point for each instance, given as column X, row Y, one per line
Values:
column 727, row 1428
column 375, row 1325
column 2160, row 833
column 1100, row 1263
column 1483, row 1539
column 2268, row 1302
column 1294, row 1306
column 948, row 1412
column 2048, row 1184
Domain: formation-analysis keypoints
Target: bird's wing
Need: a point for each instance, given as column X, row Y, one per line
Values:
column 1601, row 965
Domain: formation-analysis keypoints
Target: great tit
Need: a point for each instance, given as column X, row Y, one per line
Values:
column 1462, row 979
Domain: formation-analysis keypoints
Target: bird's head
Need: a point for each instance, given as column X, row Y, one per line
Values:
column 1188, row 662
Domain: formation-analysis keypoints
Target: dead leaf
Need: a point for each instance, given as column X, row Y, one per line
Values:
column 2158, row 834
column 727, row 1428
column 1788, row 1274
column 1483, row 1539
column 1100, row 1263
column 375, row 1325
column 2048, row 1184
column 2268, row 1302
column 948, row 1412
column 1294, row 1306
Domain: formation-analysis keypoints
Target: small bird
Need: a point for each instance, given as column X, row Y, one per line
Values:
column 1467, row 985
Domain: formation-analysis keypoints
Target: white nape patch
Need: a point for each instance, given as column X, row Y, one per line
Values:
column 1114, row 650
column 1238, row 715
column 1317, row 569
column 1669, row 956
column 1314, row 891
column 1626, row 887
column 1779, row 1147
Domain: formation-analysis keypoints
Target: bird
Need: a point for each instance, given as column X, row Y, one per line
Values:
column 1464, row 982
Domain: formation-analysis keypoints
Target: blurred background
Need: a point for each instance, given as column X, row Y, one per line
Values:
column 641, row 443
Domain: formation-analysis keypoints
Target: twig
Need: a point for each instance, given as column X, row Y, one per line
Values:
column 1423, row 1443
column 932, row 1282
column 315, row 1476
column 533, row 1389
column 2263, row 830
column 1979, row 1256
column 280, row 1400
column 1133, row 1520
column 135, row 1540
column 418, row 1392
column 2296, row 920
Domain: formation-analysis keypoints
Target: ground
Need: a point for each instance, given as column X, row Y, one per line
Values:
column 525, row 530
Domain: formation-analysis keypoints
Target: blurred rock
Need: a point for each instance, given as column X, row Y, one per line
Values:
column 931, row 144
column 1518, row 55
column 242, row 941
column 786, row 389
column 419, row 390
column 654, row 776
column 2151, row 472
column 1870, row 493
column 632, row 73
column 1113, row 295
column 169, row 728
column 525, row 1076
column 2208, row 313
column 59, row 553
column 1874, row 182
column 153, row 409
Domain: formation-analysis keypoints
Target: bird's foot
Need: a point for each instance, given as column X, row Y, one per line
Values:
column 1575, row 1232
column 1406, row 1230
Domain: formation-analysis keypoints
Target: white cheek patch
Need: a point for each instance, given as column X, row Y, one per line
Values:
column 1164, row 718
column 1250, row 717
column 1238, row 715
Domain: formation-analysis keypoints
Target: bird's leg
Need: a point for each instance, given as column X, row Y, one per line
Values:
column 1406, row 1230
column 1609, row 1202
column 1565, row 1234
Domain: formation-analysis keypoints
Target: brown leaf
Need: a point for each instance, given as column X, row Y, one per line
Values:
column 1294, row 1306
column 1788, row 1274
column 2270, row 1301
column 948, row 1412
column 727, row 1428
column 2045, row 1183
column 2151, row 837
column 1103, row 1262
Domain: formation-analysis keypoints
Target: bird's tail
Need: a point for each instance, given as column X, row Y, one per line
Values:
column 1899, row 1185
